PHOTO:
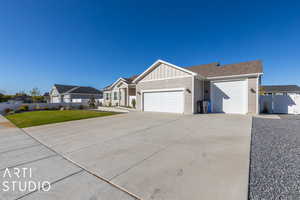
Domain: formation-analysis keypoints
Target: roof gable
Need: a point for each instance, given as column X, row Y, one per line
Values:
column 166, row 66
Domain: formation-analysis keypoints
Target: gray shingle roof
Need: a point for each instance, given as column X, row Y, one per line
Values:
column 74, row 89
column 280, row 88
column 215, row 69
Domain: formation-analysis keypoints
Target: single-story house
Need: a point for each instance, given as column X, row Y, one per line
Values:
column 74, row 94
column 120, row 93
column 279, row 89
column 165, row 87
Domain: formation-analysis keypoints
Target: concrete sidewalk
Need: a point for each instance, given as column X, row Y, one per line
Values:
column 68, row 181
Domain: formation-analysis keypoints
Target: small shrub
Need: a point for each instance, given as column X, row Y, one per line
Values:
column 117, row 104
column 7, row 110
column 11, row 112
column 109, row 104
column 92, row 102
column 100, row 103
column 24, row 108
column 81, row 107
column 37, row 107
column 46, row 108
column 133, row 102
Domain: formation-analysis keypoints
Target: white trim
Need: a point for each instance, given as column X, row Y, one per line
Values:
column 116, row 82
column 247, row 96
column 161, row 79
column 163, row 90
column 70, row 90
column 193, row 94
column 127, row 95
column 257, row 96
column 235, row 76
column 228, row 80
column 155, row 64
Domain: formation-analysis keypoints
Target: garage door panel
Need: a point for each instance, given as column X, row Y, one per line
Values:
column 229, row 97
column 164, row 101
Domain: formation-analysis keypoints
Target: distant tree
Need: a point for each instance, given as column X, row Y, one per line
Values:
column 1, row 97
column 35, row 92
column 21, row 93
column 36, row 95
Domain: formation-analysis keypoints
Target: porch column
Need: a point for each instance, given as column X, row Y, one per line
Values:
column 127, row 103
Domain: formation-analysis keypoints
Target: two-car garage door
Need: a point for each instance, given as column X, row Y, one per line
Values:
column 229, row 97
column 164, row 101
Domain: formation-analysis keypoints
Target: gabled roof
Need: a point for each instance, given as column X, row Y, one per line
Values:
column 64, row 88
column 156, row 64
column 76, row 89
column 217, row 70
column 280, row 88
column 125, row 80
column 130, row 79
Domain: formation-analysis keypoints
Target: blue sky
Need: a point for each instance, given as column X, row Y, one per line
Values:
column 95, row 42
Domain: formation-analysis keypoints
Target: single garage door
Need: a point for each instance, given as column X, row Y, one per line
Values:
column 229, row 97
column 164, row 101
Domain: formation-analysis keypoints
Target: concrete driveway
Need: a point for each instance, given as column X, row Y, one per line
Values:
column 68, row 181
column 159, row 156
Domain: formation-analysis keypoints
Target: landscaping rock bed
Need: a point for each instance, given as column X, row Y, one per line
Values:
column 275, row 159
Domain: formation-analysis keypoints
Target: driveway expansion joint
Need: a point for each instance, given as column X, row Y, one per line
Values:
column 83, row 168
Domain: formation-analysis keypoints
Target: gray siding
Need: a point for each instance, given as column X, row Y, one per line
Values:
column 252, row 98
column 168, row 84
column 164, row 71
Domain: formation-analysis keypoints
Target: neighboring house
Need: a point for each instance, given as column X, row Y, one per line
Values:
column 165, row 87
column 21, row 99
column 73, row 94
column 280, row 99
column 120, row 93
column 279, row 89
column 46, row 97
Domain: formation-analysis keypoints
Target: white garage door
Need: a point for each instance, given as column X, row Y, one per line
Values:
column 229, row 97
column 164, row 101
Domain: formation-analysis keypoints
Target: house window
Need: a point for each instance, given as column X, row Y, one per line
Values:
column 107, row 96
column 115, row 95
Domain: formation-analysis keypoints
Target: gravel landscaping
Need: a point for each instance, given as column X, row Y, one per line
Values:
column 275, row 159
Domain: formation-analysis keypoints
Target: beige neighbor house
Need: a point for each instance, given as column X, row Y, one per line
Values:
column 121, row 93
column 165, row 87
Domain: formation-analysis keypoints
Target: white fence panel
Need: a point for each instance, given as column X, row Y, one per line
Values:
column 32, row 106
column 266, row 104
column 280, row 104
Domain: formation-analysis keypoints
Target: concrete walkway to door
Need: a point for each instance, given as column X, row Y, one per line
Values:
column 160, row 156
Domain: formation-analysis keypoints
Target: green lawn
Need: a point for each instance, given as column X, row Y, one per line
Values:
column 35, row 118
